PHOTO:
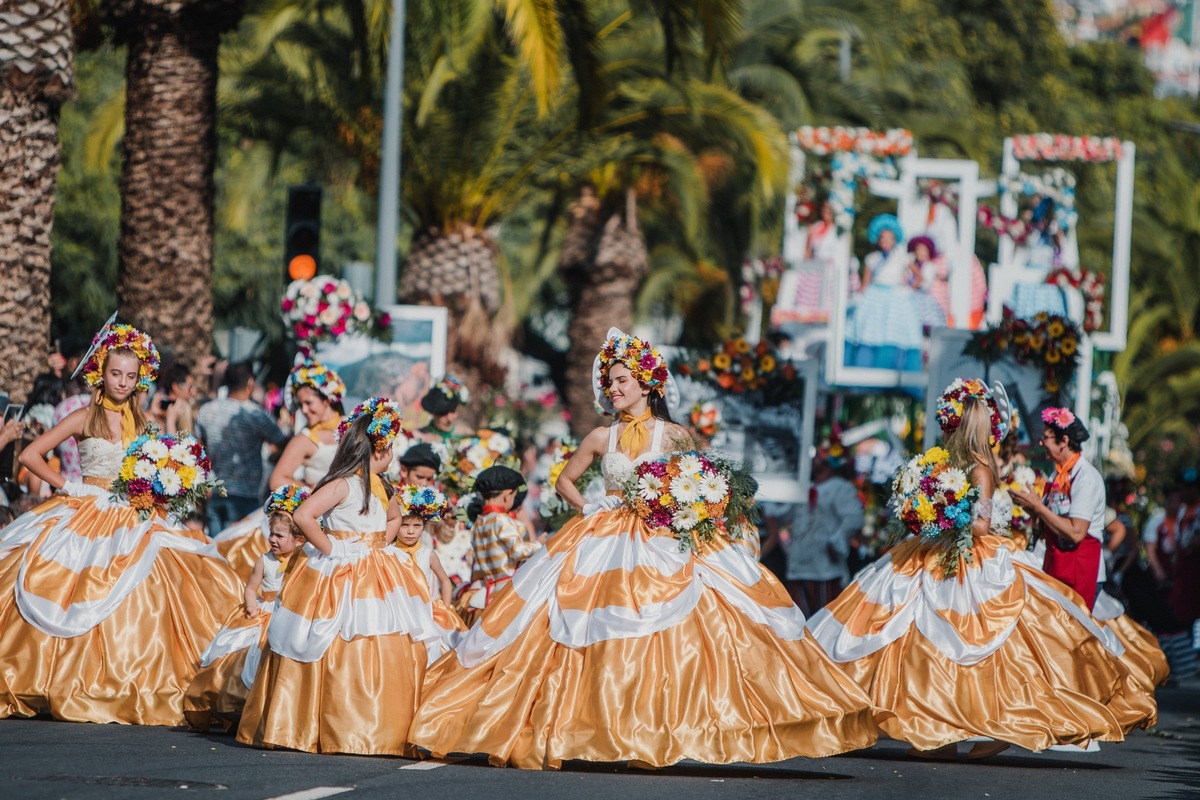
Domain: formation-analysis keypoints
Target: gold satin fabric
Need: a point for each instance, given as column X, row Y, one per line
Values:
column 1051, row 682
column 243, row 552
column 1144, row 658
column 716, row 687
column 134, row 666
column 216, row 695
column 635, row 437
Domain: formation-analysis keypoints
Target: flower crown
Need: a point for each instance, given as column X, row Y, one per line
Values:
column 122, row 337
column 1057, row 418
column 324, row 380
column 950, row 406
column 286, row 499
column 425, row 502
column 385, row 422
column 454, row 389
column 646, row 364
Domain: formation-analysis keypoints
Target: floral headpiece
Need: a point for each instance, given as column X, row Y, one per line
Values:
column 385, row 422
column 646, row 364
column 122, row 337
column 454, row 389
column 950, row 406
column 324, row 380
column 425, row 502
column 1058, row 418
column 286, row 499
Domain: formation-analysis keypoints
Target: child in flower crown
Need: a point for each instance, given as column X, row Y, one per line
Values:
column 347, row 646
column 414, row 508
column 229, row 663
column 89, row 631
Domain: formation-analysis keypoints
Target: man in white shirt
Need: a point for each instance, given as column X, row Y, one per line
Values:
column 821, row 532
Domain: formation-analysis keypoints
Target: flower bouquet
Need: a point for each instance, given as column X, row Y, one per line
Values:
column 740, row 368
column 1047, row 341
column 695, row 495
column 471, row 456
column 706, row 419
column 325, row 308
column 933, row 500
column 1024, row 479
column 168, row 471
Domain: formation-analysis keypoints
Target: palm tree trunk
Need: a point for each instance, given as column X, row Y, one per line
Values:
column 168, row 157
column 604, row 265
column 36, row 75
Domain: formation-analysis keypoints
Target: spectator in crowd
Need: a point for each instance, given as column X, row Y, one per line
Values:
column 234, row 429
column 172, row 407
column 821, row 531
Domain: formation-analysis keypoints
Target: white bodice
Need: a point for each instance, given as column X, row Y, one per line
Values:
column 312, row 471
column 273, row 570
column 617, row 467
column 345, row 516
column 998, row 511
column 100, row 458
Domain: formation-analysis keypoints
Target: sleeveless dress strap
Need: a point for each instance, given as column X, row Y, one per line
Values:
column 612, row 437
column 656, row 440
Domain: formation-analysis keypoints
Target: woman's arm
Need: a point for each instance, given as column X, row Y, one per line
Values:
column 253, row 585
column 298, row 450
column 591, row 448
column 317, row 505
column 1065, row 528
column 982, row 478
column 439, row 572
column 1116, row 534
column 33, row 457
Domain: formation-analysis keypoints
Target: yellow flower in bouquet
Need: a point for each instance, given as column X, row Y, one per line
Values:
column 1067, row 346
column 766, row 364
column 935, row 455
column 925, row 510
column 741, row 345
column 1055, row 329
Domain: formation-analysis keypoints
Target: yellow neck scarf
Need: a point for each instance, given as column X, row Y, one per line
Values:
column 330, row 424
column 377, row 489
column 635, row 437
column 129, row 430
column 411, row 549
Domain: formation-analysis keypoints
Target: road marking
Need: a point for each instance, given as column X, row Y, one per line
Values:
column 314, row 793
column 433, row 763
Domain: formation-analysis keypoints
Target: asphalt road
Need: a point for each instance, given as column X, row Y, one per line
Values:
column 47, row 760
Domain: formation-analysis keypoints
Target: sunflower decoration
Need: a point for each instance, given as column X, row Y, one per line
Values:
column 1047, row 341
column 752, row 370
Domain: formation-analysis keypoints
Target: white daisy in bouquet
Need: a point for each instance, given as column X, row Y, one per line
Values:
column 695, row 495
column 167, row 471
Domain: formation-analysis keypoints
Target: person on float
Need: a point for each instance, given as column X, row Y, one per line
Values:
column 441, row 402
column 885, row 331
column 977, row 646
column 230, row 662
column 416, row 507
column 613, row 643
column 1071, row 514
column 930, row 281
column 103, row 616
column 347, row 644
column 317, row 392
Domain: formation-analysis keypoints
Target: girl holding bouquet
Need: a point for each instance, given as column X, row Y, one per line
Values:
column 230, row 661
column 347, row 650
column 958, row 638
column 104, row 607
column 621, row 641
column 316, row 391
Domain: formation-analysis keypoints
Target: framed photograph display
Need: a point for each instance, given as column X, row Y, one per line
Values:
column 403, row 368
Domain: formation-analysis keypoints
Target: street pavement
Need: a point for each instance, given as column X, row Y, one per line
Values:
column 45, row 760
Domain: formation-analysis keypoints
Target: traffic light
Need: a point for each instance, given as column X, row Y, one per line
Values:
column 302, row 240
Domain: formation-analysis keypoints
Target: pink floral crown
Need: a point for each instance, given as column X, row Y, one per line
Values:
column 385, row 423
column 646, row 364
column 1057, row 418
column 122, row 337
column 950, row 406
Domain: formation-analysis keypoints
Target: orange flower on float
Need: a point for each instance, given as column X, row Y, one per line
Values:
column 761, row 349
column 725, row 380
column 741, row 345
column 704, row 365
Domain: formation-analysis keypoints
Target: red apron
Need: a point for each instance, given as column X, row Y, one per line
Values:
column 1078, row 566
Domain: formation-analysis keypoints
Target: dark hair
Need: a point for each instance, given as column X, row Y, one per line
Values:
column 353, row 457
column 177, row 374
column 278, row 517
column 48, row 389
column 1075, row 434
column 237, row 376
column 336, row 405
column 657, row 401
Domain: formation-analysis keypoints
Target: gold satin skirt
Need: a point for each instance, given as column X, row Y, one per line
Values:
column 699, row 656
column 1000, row 651
column 346, row 656
column 243, row 542
column 134, row 604
column 1144, row 658
column 218, row 692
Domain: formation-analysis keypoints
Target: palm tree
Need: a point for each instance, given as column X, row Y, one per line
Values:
column 168, row 157
column 36, row 75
